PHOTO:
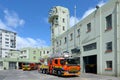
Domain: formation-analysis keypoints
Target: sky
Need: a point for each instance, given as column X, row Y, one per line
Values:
column 29, row 18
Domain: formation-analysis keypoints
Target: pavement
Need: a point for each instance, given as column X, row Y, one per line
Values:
column 34, row 75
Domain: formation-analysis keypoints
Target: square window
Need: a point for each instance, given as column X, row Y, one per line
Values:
column 108, row 65
column 109, row 47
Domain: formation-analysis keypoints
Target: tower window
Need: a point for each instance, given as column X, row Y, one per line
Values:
column 60, row 42
column 57, row 43
column 65, row 39
column 63, row 28
column 56, row 18
column 63, row 20
column 71, row 36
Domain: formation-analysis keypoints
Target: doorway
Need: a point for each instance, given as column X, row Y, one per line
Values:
column 90, row 64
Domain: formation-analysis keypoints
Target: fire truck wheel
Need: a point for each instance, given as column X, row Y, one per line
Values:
column 59, row 73
column 44, row 71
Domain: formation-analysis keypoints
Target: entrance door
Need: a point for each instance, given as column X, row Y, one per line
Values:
column 90, row 63
column 20, row 65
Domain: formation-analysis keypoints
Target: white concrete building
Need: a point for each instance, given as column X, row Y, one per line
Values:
column 95, row 39
column 7, row 42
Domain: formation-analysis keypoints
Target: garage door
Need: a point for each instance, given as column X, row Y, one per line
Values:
column 12, row 65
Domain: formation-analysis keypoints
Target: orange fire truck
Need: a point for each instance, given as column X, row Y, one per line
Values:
column 29, row 66
column 61, row 66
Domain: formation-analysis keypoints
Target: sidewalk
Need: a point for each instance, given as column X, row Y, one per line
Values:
column 88, row 76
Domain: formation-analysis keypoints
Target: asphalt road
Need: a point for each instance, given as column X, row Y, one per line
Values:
column 34, row 75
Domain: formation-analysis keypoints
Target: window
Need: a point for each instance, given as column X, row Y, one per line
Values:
column 57, row 18
column 6, row 56
column 63, row 20
column 62, row 62
column 6, row 45
column 108, row 47
column 109, row 22
column 44, row 52
column 90, row 47
column 47, row 52
column 88, row 27
column 40, row 53
column 57, row 43
column 6, row 42
column 78, row 32
column 7, row 35
column 108, row 65
column 34, row 57
column 63, row 28
column 56, row 21
column 65, row 39
column 56, row 61
column 1, row 63
column 71, row 36
column 7, row 39
column 34, row 52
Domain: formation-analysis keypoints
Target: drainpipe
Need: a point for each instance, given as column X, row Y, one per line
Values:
column 100, row 43
column 117, row 40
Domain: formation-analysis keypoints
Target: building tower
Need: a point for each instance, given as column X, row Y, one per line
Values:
column 59, row 20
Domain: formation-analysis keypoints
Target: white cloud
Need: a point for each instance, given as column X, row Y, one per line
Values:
column 29, row 42
column 10, row 22
column 72, row 20
column 90, row 10
column 2, row 25
column 12, row 19
column 101, row 3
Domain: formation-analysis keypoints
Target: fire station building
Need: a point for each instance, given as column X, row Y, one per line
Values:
column 94, row 39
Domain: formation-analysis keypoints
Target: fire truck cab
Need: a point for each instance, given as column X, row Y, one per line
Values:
column 64, row 66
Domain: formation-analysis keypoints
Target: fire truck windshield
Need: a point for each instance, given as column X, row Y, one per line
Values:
column 72, row 61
